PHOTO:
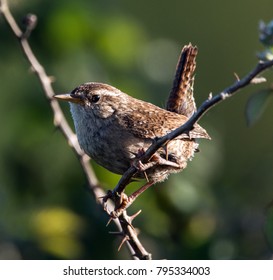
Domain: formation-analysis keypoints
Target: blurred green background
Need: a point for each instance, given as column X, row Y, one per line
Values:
column 216, row 209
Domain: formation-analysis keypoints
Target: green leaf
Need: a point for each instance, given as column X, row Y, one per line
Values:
column 256, row 105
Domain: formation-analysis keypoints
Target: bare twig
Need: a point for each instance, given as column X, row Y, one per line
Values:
column 135, row 247
column 205, row 107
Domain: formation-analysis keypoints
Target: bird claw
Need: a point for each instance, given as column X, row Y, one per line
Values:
column 138, row 164
column 127, row 201
column 123, row 204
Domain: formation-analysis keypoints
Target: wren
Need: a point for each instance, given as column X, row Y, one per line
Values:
column 114, row 128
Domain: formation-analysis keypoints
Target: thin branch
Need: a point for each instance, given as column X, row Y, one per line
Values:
column 133, row 244
column 186, row 127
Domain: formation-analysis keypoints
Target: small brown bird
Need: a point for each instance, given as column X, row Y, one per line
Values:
column 114, row 128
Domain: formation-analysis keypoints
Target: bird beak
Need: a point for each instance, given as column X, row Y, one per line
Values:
column 69, row 97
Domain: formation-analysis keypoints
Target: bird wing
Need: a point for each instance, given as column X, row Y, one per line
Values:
column 146, row 120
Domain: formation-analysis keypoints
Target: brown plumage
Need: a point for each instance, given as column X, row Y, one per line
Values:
column 181, row 99
column 114, row 128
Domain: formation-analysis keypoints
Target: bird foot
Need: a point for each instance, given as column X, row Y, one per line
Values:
column 127, row 201
column 154, row 160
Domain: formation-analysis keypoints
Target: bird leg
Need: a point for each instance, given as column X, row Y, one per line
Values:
column 155, row 160
column 126, row 201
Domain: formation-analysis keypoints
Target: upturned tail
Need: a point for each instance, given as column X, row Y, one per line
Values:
column 181, row 98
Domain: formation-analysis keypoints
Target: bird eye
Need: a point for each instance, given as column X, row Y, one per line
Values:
column 95, row 98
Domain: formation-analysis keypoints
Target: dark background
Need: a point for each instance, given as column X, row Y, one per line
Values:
column 215, row 209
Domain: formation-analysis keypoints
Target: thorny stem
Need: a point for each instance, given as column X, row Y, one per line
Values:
column 134, row 245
